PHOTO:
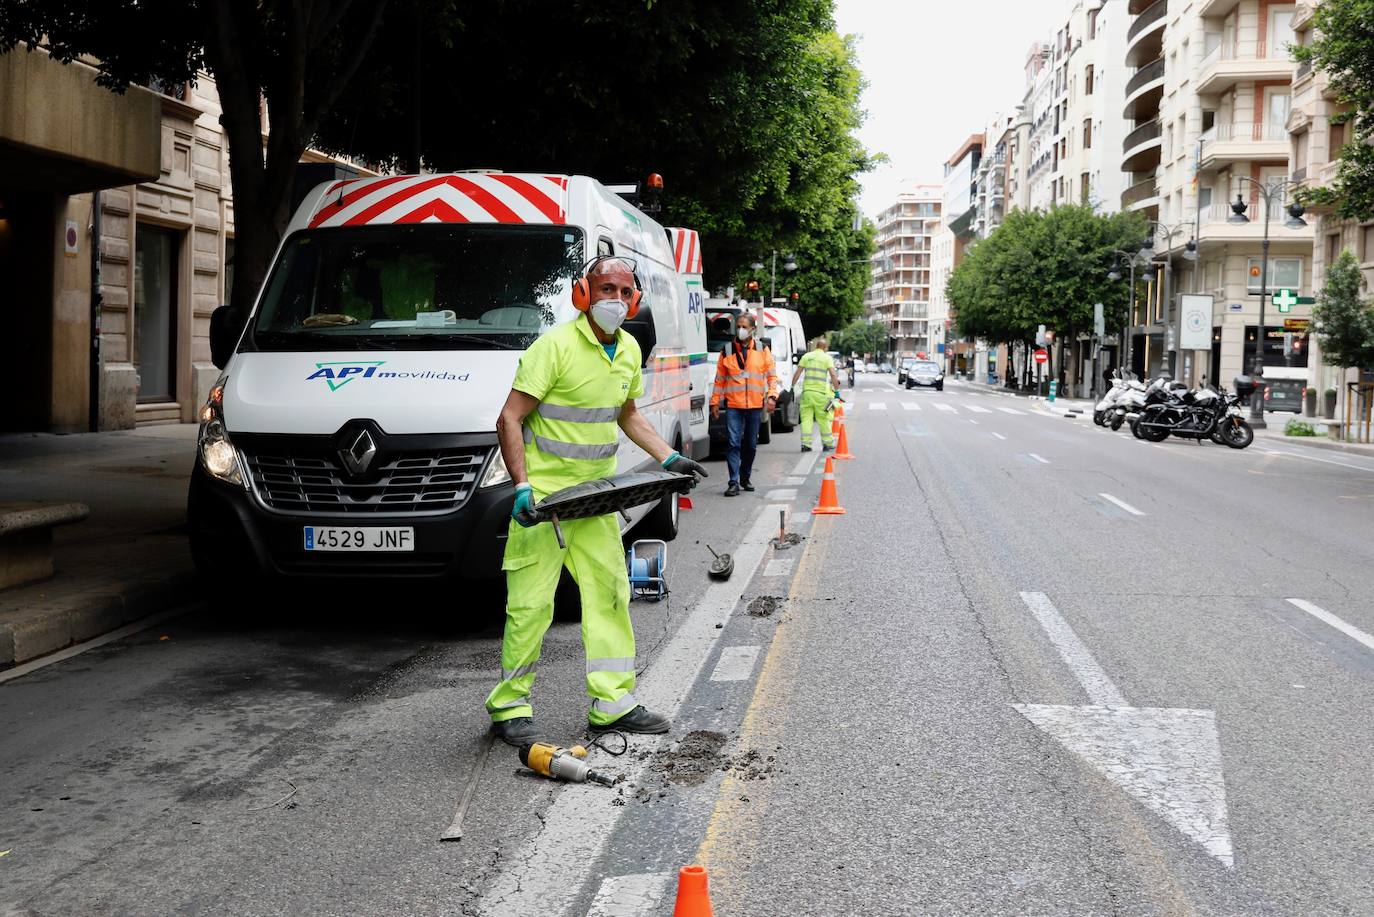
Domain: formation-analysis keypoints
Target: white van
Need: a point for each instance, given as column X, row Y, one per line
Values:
column 353, row 431
column 720, row 336
column 783, row 329
column 687, row 256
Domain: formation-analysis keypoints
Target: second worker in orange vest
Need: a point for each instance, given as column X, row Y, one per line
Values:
column 747, row 381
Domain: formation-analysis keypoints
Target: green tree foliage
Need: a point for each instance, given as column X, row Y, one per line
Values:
column 1345, row 322
column 299, row 56
column 1344, row 49
column 746, row 108
column 861, row 337
column 1042, row 267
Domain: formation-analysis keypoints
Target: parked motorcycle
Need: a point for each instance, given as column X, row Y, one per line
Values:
column 1198, row 415
column 1104, row 409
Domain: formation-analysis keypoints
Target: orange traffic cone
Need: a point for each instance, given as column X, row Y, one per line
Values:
column 830, row 501
column 839, row 409
column 842, row 445
column 693, row 897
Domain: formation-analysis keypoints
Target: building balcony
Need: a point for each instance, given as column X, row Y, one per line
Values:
column 1141, row 195
column 1141, row 148
column 1145, row 37
column 1223, row 145
column 1144, row 90
column 1224, row 67
column 1216, row 7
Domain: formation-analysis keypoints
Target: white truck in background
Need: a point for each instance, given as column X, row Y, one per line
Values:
column 686, row 244
column 783, row 330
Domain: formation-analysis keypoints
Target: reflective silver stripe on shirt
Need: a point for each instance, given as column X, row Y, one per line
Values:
column 625, row 704
column 518, row 672
column 611, row 664
column 578, row 415
column 575, row 450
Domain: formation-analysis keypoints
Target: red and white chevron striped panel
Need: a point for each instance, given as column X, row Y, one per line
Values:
column 686, row 250
column 473, row 198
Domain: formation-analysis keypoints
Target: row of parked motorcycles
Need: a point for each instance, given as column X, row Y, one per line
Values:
column 1161, row 408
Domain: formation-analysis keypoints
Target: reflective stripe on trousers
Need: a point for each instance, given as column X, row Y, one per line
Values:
column 533, row 563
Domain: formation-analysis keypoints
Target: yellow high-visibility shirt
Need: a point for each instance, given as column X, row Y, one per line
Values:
column 573, row 435
column 817, row 365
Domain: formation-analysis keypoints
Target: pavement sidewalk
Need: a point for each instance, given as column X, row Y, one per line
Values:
column 129, row 559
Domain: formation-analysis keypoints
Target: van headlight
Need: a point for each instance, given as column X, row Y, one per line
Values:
column 217, row 454
column 496, row 472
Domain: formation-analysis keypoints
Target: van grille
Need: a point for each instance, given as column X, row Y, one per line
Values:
column 432, row 481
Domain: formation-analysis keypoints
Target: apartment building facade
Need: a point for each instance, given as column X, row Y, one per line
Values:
column 117, row 219
column 899, row 291
column 1315, row 147
column 1209, row 99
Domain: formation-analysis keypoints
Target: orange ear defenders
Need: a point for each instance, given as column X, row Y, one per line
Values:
column 582, row 286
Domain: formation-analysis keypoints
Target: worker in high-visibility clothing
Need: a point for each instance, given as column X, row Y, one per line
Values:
column 747, row 381
column 573, row 394
column 820, row 389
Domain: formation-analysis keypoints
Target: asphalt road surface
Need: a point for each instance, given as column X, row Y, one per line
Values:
column 1036, row 668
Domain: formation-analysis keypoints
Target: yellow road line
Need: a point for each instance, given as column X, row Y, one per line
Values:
column 733, row 820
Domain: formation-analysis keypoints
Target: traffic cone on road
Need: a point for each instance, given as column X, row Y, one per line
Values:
column 830, row 500
column 842, row 445
column 693, row 896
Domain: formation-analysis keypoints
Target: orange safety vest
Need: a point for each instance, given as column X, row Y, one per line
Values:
column 745, row 386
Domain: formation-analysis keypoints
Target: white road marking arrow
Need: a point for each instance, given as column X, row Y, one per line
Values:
column 1167, row 758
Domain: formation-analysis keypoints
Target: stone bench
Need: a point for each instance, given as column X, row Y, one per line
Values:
column 26, row 538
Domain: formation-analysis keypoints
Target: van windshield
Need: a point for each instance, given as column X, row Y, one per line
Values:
column 720, row 329
column 420, row 287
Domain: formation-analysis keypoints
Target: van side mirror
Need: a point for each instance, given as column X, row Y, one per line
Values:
column 796, row 358
column 225, row 327
column 641, row 328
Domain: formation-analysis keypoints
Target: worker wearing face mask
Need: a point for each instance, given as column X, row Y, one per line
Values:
column 573, row 394
column 747, row 381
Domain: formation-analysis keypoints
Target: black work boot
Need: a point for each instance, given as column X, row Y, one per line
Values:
column 517, row 731
column 747, row 485
column 805, row 447
column 638, row 720
column 732, row 490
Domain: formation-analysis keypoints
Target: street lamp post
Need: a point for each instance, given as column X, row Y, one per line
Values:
column 1269, row 192
column 788, row 264
column 1190, row 253
column 1132, row 259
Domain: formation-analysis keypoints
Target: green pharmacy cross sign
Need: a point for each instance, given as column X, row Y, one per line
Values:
column 1286, row 299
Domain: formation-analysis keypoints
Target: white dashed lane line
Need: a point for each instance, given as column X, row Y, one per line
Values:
column 878, row 405
column 1043, row 461
column 978, row 409
column 999, row 436
column 910, row 406
column 1010, row 411
column 1121, row 503
column 736, row 663
column 947, row 408
column 1326, row 617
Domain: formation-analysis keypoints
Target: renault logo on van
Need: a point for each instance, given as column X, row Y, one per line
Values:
column 358, row 454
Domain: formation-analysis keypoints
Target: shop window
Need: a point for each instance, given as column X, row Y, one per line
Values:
column 1283, row 273
column 1367, row 244
column 155, row 300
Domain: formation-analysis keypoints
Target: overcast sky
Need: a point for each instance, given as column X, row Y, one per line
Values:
column 937, row 70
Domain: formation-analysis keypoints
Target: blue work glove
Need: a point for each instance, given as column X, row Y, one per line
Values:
column 681, row 464
column 523, row 509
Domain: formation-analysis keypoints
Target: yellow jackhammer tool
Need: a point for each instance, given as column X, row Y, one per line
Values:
column 562, row 763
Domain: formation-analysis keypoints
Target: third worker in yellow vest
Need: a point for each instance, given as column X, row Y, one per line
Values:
column 820, row 388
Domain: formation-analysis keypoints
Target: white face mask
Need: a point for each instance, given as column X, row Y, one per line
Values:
column 743, row 333
column 609, row 314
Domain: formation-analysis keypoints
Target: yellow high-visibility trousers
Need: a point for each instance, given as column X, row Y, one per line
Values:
column 813, row 408
column 596, row 559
